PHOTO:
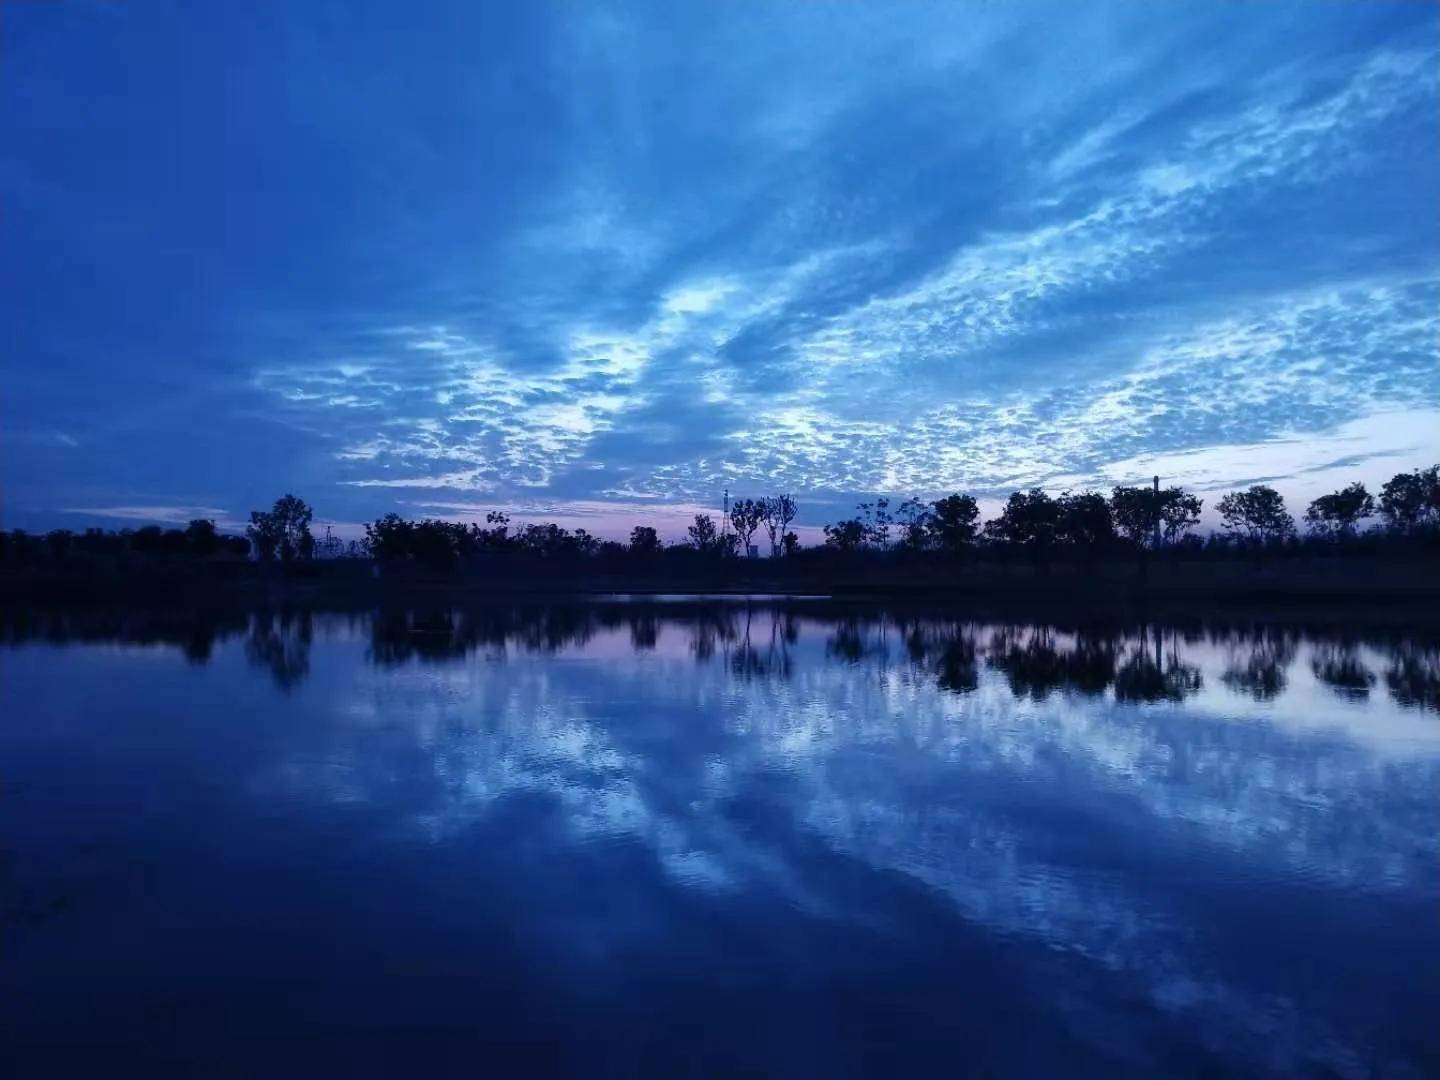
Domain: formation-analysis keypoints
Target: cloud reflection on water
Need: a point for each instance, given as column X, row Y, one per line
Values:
column 1052, row 785
column 1096, row 793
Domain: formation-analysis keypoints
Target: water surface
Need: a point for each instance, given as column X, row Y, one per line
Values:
column 693, row 840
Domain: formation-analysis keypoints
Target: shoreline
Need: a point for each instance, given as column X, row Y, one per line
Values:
column 1407, row 594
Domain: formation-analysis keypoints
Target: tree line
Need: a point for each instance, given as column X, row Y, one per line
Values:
column 200, row 539
column 439, row 544
column 1136, row 520
column 1139, row 519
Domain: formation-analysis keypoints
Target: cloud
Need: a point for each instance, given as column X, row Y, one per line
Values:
column 459, row 481
column 1305, row 362
column 1309, row 463
column 157, row 514
column 42, row 437
column 786, row 373
column 615, row 258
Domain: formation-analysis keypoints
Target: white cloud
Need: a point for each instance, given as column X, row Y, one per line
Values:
column 156, row 514
column 899, row 388
column 1314, row 462
column 461, row 481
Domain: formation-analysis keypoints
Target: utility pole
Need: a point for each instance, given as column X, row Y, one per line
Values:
column 725, row 517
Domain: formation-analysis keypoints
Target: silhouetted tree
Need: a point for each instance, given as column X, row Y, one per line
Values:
column 496, row 534
column 1135, row 510
column 1410, row 501
column 1138, row 511
column 1083, row 521
column 847, row 535
column 235, row 546
column 1338, row 513
column 703, row 534
column 877, row 521
column 433, row 544
column 1029, row 520
column 387, row 539
column 745, row 517
column 147, row 540
column 914, row 518
column 777, row 513
column 644, row 540
column 549, row 541
column 586, row 544
column 952, row 523
column 1259, row 512
column 202, row 538
column 100, row 542
column 58, row 542
column 1179, row 513
column 282, row 531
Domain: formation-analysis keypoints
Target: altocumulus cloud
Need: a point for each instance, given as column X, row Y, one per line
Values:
column 622, row 256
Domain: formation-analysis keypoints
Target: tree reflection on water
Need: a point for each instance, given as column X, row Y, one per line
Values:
column 1132, row 663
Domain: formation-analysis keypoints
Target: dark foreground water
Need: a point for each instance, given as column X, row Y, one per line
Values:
column 686, row 841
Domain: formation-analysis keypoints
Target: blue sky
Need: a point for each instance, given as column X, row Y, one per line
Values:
column 598, row 261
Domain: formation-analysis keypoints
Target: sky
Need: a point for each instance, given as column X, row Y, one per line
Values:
column 597, row 262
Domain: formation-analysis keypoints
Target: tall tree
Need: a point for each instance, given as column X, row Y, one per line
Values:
column 848, row 535
column 1179, row 513
column 644, row 540
column 1083, row 521
column 1141, row 512
column 495, row 536
column 776, row 513
column 703, row 534
column 877, row 519
column 746, row 516
column 786, row 508
column 953, row 522
column 1029, row 520
column 914, row 518
column 388, row 538
column 1410, row 501
column 1339, row 513
column 1135, row 511
column 284, row 530
column 1258, row 512
column 586, row 543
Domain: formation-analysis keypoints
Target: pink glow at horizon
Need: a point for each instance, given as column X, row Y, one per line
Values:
column 609, row 521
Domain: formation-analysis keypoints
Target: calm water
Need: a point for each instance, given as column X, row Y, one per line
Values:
column 685, row 841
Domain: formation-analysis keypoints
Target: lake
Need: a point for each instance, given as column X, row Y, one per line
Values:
column 698, row 839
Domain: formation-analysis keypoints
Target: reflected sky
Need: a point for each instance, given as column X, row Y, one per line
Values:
column 1152, row 848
